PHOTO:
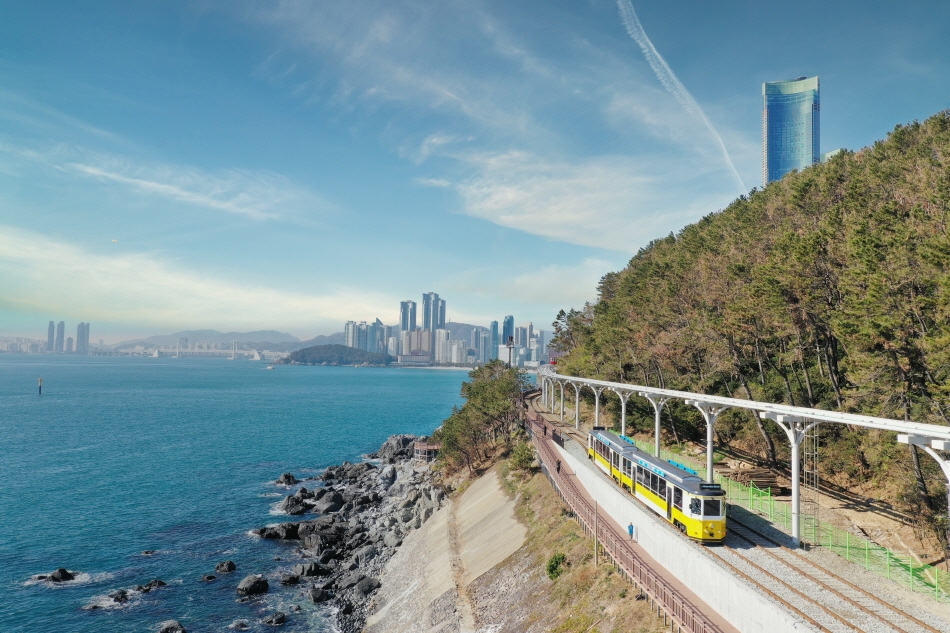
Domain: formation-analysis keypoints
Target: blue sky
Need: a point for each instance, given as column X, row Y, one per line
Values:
column 292, row 165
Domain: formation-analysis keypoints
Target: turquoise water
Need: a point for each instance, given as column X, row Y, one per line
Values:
column 121, row 455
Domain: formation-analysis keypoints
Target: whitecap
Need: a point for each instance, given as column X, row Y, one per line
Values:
column 106, row 603
column 80, row 578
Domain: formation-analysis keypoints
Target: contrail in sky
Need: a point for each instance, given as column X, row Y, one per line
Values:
column 669, row 80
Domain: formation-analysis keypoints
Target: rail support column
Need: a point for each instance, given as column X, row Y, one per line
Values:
column 657, row 402
column 710, row 413
column 561, row 385
column 795, row 428
column 597, row 391
column 624, row 396
column 577, row 405
column 931, row 446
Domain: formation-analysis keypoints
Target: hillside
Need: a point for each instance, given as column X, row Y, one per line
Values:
column 336, row 355
column 829, row 288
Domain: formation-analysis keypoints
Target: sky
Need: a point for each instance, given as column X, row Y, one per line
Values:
column 292, row 165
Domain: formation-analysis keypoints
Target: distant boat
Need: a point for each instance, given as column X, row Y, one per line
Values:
column 270, row 367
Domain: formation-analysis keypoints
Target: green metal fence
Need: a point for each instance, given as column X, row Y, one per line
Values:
column 928, row 579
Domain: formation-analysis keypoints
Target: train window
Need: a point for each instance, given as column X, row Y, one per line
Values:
column 653, row 482
column 640, row 475
column 614, row 459
column 677, row 498
column 661, row 489
column 696, row 506
column 712, row 507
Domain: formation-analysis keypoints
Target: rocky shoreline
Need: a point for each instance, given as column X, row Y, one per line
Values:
column 364, row 511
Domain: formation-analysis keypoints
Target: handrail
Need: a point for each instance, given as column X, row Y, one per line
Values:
column 933, row 431
column 683, row 614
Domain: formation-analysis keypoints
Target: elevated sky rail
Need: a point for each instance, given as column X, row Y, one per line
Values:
column 795, row 421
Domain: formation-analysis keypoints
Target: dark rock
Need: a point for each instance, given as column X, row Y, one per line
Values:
column 208, row 578
column 225, row 567
column 293, row 505
column 397, row 446
column 330, row 502
column 120, row 597
column 349, row 580
column 309, row 570
column 365, row 554
column 239, row 625
column 284, row 531
column 152, row 584
column 148, row 552
column 171, row 626
column 275, row 619
column 346, row 608
column 253, row 585
column 289, row 579
column 365, row 587
column 318, row 595
column 61, row 575
column 287, row 479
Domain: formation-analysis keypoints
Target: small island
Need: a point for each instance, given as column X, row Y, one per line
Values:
column 336, row 355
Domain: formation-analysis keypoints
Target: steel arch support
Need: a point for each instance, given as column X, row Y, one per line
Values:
column 710, row 413
column 624, row 396
column 795, row 428
column 577, row 405
column 597, row 392
column 657, row 402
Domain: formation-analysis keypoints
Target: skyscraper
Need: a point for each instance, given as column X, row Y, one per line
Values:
column 50, row 337
column 60, row 337
column 407, row 316
column 433, row 312
column 351, row 334
column 494, row 341
column 790, row 126
column 508, row 330
column 82, row 338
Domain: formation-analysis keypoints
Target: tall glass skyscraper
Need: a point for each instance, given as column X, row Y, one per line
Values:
column 790, row 126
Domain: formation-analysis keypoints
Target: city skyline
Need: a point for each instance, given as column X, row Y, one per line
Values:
column 215, row 164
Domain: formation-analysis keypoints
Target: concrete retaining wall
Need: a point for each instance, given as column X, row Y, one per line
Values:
column 733, row 598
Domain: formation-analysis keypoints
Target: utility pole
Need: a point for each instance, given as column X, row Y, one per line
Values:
column 511, row 346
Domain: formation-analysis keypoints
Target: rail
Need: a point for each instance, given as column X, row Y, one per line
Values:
column 683, row 614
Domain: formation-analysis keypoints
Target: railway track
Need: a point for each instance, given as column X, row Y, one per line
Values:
column 831, row 603
column 824, row 600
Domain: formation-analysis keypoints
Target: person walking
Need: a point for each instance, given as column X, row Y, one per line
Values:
column 557, row 467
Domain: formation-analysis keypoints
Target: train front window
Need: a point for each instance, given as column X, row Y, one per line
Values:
column 695, row 506
column 712, row 507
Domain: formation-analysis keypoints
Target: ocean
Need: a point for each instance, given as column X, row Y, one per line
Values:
column 124, row 454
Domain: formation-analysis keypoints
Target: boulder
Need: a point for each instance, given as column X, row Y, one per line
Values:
column 253, row 585
column 349, row 580
column 171, row 626
column 318, row 595
column 239, row 625
column 365, row 554
column 287, row 479
column 148, row 552
column 61, row 575
column 392, row 539
column 293, row 505
column 208, row 577
column 225, row 567
column 289, row 579
column 284, row 531
column 365, row 587
column 330, row 502
column 275, row 619
column 309, row 570
column 396, row 447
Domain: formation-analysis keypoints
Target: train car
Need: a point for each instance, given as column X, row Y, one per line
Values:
column 697, row 508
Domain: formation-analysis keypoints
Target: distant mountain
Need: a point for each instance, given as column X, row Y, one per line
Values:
column 253, row 339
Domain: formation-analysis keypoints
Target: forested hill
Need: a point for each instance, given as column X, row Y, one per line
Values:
column 336, row 355
column 829, row 288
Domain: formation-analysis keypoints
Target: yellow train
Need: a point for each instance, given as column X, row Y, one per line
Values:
column 680, row 496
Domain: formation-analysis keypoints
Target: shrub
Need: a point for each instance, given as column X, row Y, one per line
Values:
column 556, row 565
column 522, row 456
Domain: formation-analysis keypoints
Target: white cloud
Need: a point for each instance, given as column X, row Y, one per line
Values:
column 613, row 202
column 143, row 289
column 256, row 195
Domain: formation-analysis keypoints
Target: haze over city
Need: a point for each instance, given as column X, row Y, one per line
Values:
column 292, row 166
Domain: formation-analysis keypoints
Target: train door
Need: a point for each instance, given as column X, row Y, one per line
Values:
column 669, row 502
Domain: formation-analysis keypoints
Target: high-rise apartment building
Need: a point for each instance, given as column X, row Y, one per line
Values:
column 82, row 338
column 351, row 334
column 50, row 337
column 443, row 352
column 495, row 341
column 69, row 345
column 60, row 337
column 485, row 346
column 432, row 307
column 407, row 316
column 790, row 126
column 508, row 330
